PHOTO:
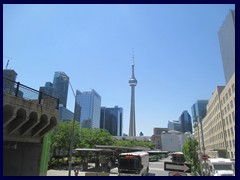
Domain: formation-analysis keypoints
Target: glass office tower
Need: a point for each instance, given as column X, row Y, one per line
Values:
column 226, row 36
column 186, row 122
column 90, row 103
column 111, row 120
column 199, row 110
column 60, row 87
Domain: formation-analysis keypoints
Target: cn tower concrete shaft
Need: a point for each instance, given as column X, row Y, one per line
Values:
column 132, row 125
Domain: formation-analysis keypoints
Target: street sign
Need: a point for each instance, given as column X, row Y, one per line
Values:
column 204, row 157
column 176, row 174
column 170, row 166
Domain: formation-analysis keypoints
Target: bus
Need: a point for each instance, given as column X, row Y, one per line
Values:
column 155, row 155
column 133, row 164
column 178, row 157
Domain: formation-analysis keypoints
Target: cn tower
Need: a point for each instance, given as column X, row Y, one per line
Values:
column 132, row 83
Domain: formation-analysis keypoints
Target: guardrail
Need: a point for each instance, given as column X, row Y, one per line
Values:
column 19, row 90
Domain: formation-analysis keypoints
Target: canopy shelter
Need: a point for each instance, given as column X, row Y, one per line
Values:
column 93, row 153
column 122, row 149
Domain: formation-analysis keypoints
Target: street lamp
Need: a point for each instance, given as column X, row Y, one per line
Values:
column 70, row 162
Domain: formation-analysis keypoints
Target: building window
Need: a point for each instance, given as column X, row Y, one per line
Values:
column 227, row 120
column 230, row 120
column 232, row 131
column 231, row 104
column 233, row 116
column 230, row 144
column 233, row 88
column 229, row 92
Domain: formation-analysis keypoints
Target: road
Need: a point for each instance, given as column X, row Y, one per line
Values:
column 157, row 168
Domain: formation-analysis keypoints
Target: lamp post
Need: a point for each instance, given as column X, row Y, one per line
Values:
column 72, row 138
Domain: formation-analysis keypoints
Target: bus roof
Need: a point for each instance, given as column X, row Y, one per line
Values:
column 157, row 151
column 177, row 153
column 138, row 153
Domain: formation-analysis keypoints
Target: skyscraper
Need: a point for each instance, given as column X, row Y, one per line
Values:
column 199, row 110
column 186, row 122
column 90, row 103
column 226, row 36
column 47, row 89
column 77, row 108
column 174, row 125
column 60, row 87
column 11, row 75
column 132, row 83
column 111, row 120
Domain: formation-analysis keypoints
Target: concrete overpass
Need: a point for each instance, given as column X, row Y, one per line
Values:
column 27, row 116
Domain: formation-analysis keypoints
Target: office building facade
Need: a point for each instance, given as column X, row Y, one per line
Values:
column 173, row 141
column 111, row 120
column 47, row 89
column 186, row 122
column 90, row 103
column 60, row 87
column 199, row 110
column 226, row 36
column 174, row 125
column 65, row 114
column 219, row 123
column 11, row 75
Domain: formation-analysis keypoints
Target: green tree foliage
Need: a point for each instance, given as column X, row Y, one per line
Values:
column 61, row 138
column 83, row 138
column 133, row 143
column 92, row 137
column 190, row 152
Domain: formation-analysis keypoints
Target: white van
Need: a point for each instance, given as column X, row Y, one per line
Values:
column 218, row 167
column 133, row 164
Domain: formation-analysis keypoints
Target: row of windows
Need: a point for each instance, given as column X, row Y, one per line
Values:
column 230, row 119
column 228, row 107
column 213, row 105
column 229, row 133
column 230, row 144
column 218, row 145
column 229, row 93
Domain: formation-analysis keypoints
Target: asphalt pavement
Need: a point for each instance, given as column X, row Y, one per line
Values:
column 155, row 169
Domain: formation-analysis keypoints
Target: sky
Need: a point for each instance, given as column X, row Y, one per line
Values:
column 176, row 53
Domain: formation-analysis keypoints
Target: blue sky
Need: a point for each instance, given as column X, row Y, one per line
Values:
column 177, row 53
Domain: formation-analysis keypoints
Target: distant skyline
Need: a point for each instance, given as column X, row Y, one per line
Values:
column 176, row 50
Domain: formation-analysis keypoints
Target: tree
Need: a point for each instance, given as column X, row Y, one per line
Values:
column 61, row 137
column 190, row 152
column 92, row 137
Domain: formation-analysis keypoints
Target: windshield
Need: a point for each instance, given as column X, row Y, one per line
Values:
column 222, row 166
column 129, row 163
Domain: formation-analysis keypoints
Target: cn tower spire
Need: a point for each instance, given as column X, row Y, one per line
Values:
column 132, row 83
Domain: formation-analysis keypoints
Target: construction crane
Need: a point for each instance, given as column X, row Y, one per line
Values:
column 7, row 61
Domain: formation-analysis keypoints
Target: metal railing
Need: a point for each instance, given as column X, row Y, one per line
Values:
column 19, row 90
